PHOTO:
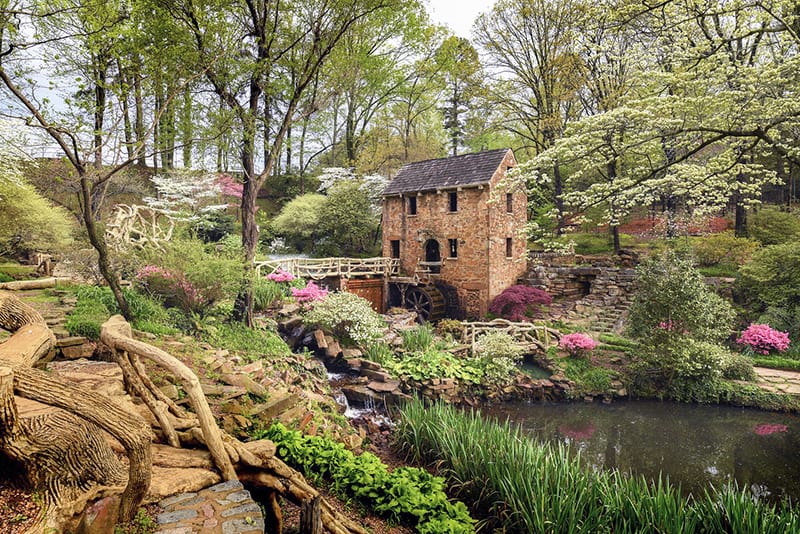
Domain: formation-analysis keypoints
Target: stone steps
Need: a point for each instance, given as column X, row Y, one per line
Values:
column 225, row 508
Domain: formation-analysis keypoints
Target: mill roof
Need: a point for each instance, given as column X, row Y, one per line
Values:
column 446, row 173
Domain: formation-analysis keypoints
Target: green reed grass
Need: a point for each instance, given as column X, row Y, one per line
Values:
column 520, row 485
column 418, row 338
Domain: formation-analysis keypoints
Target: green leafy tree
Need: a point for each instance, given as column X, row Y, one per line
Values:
column 285, row 47
column 299, row 221
column 28, row 221
column 461, row 69
column 348, row 222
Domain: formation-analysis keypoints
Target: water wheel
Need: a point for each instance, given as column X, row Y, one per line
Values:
column 427, row 301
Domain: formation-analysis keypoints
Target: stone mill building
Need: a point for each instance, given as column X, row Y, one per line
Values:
column 457, row 225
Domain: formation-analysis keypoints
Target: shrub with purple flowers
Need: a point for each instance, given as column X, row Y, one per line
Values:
column 763, row 339
column 578, row 344
column 520, row 303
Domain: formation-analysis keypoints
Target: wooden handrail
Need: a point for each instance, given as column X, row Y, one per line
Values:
column 319, row 268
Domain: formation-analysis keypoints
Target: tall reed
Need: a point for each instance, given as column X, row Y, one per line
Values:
column 520, row 485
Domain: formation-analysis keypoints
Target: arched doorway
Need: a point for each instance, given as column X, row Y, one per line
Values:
column 433, row 258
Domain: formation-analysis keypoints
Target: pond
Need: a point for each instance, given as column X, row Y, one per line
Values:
column 694, row 445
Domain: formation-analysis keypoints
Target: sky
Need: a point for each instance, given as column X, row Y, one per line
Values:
column 458, row 14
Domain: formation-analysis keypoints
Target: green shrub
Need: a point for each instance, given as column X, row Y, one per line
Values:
column 723, row 248
column 772, row 226
column 433, row 363
column 266, row 293
column 673, row 301
column 212, row 276
column 450, row 327
column 418, row 338
column 772, row 276
column 736, row 366
column 349, row 317
column 5, row 278
column 214, row 226
column 497, row 345
column 406, row 494
column 86, row 319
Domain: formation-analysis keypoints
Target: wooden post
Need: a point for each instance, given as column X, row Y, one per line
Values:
column 311, row 517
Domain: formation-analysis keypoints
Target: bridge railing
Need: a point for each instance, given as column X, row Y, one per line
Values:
column 319, row 268
column 524, row 333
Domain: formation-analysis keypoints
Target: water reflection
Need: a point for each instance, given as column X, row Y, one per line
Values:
column 693, row 445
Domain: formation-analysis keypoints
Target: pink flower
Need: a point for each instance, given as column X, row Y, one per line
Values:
column 763, row 339
column 310, row 293
column 577, row 343
column 229, row 187
column 280, row 276
column 765, row 429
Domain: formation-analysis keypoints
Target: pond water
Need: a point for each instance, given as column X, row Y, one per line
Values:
column 694, row 445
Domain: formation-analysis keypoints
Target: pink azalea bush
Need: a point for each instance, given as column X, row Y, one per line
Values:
column 281, row 276
column 311, row 293
column 577, row 344
column 173, row 288
column 763, row 339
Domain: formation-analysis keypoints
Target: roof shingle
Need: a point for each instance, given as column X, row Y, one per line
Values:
column 446, row 173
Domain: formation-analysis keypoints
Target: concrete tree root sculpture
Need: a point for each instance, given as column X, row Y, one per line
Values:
column 254, row 463
column 63, row 453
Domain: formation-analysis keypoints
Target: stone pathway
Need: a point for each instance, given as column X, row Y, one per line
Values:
column 787, row 382
column 225, row 508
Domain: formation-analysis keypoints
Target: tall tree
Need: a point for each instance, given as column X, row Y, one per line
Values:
column 92, row 31
column 460, row 68
column 272, row 38
column 530, row 46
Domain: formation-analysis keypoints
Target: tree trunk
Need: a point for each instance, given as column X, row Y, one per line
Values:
column 138, row 126
column 124, row 96
column 311, row 517
column 187, row 133
column 65, row 455
column 97, row 239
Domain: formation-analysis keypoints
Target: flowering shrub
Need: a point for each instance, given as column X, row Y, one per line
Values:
column 311, row 293
column 281, row 276
column 519, row 303
column 577, row 344
column 171, row 287
column 348, row 316
column 763, row 339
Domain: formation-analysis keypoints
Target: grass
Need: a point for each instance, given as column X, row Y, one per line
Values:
column 15, row 271
column 520, row 485
column 255, row 343
column 96, row 304
column 721, row 271
column 777, row 362
column 418, row 338
column 592, row 243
